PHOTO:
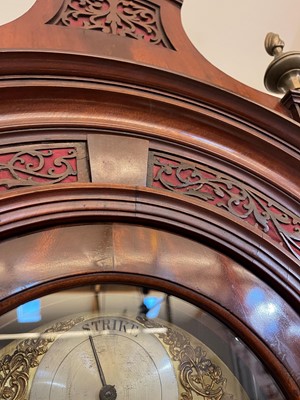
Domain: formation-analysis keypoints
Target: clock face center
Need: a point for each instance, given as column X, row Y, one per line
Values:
column 108, row 392
column 106, row 358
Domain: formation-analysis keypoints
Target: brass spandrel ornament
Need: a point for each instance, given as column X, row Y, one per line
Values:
column 18, row 361
column 202, row 375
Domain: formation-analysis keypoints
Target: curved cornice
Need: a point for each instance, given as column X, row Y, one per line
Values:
column 28, row 68
column 151, row 103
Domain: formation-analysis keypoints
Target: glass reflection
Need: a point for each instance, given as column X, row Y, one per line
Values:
column 125, row 303
column 29, row 312
column 264, row 313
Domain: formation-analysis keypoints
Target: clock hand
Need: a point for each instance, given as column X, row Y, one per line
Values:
column 100, row 370
column 107, row 392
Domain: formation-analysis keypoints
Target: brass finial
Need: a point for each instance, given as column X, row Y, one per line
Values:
column 283, row 73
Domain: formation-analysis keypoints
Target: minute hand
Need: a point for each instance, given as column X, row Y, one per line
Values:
column 107, row 392
column 100, row 370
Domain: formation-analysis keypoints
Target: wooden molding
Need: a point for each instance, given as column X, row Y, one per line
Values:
column 33, row 209
column 124, row 253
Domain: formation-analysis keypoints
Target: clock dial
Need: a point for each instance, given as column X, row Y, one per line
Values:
column 112, row 354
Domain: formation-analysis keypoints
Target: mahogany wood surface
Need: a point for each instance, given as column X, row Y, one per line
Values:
column 66, row 87
column 23, row 35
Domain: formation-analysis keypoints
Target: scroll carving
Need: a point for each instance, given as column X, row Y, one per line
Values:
column 36, row 167
column 136, row 19
column 14, row 369
column 199, row 376
column 223, row 191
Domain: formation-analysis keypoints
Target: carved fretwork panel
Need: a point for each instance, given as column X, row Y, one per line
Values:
column 223, row 191
column 38, row 165
column 136, row 19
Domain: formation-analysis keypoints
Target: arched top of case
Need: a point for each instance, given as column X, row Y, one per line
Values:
column 140, row 32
